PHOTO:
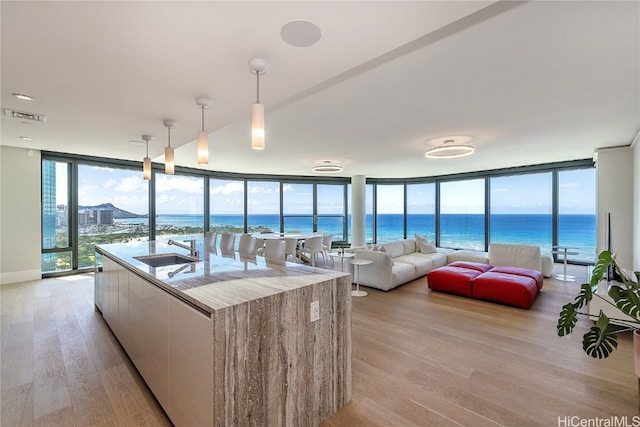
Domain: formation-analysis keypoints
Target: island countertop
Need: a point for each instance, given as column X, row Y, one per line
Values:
column 218, row 280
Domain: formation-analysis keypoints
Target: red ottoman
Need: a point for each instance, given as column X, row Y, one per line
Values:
column 535, row 275
column 471, row 265
column 510, row 289
column 452, row 279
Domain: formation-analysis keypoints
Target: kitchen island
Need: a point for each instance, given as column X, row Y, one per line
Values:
column 229, row 341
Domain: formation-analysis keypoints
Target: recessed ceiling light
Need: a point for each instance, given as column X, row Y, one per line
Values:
column 26, row 138
column 23, row 96
column 300, row 33
column 327, row 166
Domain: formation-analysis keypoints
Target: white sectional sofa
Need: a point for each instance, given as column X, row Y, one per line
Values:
column 398, row 262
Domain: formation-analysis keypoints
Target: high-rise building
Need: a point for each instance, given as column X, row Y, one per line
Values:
column 49, row 214
column 104, row 216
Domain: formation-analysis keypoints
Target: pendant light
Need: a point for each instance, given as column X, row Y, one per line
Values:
column 146, row 162
column 203, row 137
column 169, row 167
column 257, row 66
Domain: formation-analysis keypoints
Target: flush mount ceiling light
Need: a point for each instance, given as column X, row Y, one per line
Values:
column 300, row 33
column 203, row 137
column 26, row 138
column 449, row 150
column 23, row 96
column 327, row 166
column 169, row 166
column 146, row 162
column 257, row 67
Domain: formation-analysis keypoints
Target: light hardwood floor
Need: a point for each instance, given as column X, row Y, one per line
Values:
column 419, row 359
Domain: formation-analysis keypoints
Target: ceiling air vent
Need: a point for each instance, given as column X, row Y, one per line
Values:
column 21, row 115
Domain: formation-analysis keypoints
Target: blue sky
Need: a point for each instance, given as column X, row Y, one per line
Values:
column 179, row 194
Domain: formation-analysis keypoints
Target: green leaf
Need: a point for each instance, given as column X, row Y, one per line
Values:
column 567, row 320
column 599, row 342
column 586, row 294
column 627, row 300
column 601, row 267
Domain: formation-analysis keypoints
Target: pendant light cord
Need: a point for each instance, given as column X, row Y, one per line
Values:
column 169, row 138
column 257, row 87
column 202, row 118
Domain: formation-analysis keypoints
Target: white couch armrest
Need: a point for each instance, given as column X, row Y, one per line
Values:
column 378, row 274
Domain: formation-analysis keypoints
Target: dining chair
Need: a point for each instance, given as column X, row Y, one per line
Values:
column 312, row 247
column 227, row 242
column 210, row 239
column 247, row 246
column 274, row 250
column 291, row 248
column 326, row 246
column 260, row 245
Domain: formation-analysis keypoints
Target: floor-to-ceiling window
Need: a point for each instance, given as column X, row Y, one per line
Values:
column 369, row 220
column 297, row 207
column 462, row 214
column 92, row 201
column 179, row 201
column 263, row 206
column 521, row 209
column 577, row 213
column 226, row 206
column 113, row 206
column 331, row 210
column 389, row 212
column 421, row 210
column 57, row 251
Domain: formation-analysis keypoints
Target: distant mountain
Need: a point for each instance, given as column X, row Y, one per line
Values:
column 117, row 212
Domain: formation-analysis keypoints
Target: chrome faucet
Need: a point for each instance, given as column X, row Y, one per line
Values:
column 191, row 248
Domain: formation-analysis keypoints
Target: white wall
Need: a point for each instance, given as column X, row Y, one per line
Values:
column 616, row 196
column 19, row 215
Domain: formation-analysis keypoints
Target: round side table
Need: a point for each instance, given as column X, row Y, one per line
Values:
column 565, row 250
column 342, row 256
column 356, row 265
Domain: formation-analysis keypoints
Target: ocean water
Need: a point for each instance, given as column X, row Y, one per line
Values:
column 462, row 231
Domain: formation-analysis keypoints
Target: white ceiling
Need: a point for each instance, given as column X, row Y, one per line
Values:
column 528, row 82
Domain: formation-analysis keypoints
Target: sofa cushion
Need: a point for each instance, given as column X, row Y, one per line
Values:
column 547, row 264
column 422, row 264
column 472, row 265
column 526, row 256
column 454, row 280
column 420, row 240
column 402, row 273
column 427, row 248
column 395, row 248
column 519, row 271
column 439, row 259
column 468, row 255
column 510, row 289
column 408, row 246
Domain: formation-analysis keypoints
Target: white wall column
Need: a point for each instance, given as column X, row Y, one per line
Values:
column 358, row 199
column 615, row 196
column 20, row 225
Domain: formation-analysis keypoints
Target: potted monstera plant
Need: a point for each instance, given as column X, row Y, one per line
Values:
column 624, row 294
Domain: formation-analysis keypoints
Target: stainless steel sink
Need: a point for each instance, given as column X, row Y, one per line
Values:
column 161, row 260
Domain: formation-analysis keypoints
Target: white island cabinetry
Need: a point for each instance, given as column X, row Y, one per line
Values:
column 170, row 343
column 218, row 340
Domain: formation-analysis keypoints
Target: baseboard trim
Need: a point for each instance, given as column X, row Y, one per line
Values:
column 20, row 276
